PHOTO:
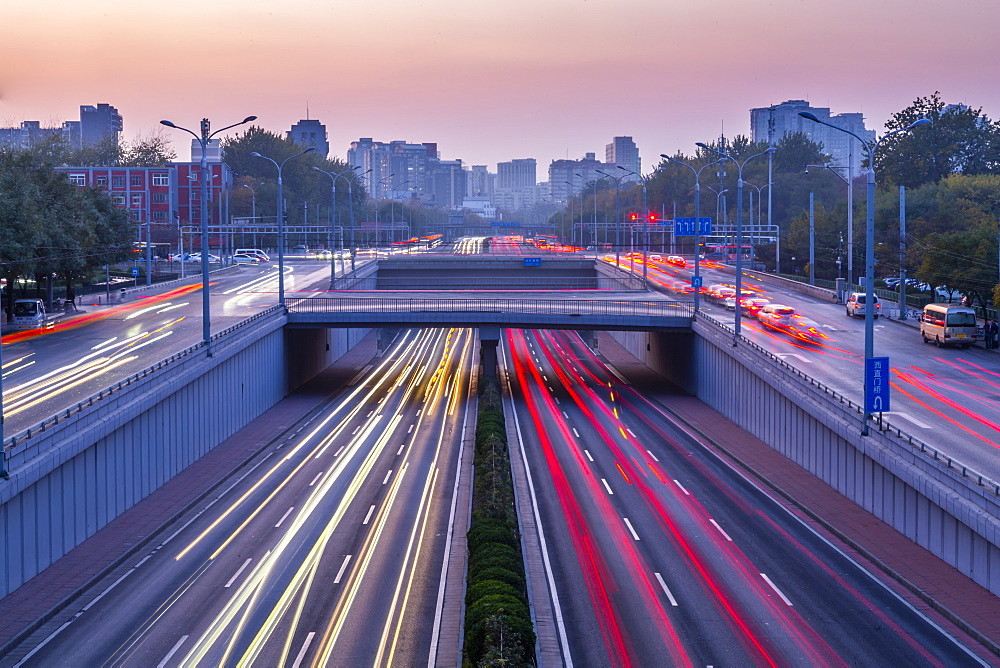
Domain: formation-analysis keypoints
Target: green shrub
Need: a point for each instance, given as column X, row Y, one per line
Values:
column 514, row 578
column 495, row 554
column 486, row 588
column 491, row 530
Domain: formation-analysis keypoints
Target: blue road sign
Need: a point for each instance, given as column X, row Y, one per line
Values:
column 697, row 281
column 532, row 262
column 876, row 384
column 135, row 271
column 684, row 227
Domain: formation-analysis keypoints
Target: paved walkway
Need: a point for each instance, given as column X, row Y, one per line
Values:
column 36, row 601
column 929, row 581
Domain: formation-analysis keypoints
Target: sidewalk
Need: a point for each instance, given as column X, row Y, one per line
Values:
column 27, row 608
column 930, row 583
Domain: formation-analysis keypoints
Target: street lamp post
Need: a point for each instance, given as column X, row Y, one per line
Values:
column 595, row 213
column 572, row 229
column 253, row 212
column 203, row 139
column 618, row 244
column 870, row 148
column 697, row 220
column 739, row 226
column 645, row 226
column 281, row 220
column 849, row 180
column 333, row 209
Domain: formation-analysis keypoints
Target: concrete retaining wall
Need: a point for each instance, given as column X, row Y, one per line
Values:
column 939, row 505
column 70, row 479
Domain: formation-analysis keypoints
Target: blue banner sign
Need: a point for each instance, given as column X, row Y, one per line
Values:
column 505, row 224
column 876, row 384
column 532, row 262
column 684, row 227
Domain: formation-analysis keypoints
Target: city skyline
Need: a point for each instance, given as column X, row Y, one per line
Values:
column 552, row 82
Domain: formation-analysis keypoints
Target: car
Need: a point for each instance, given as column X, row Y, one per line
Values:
column 774, row 316
column 196, row 257
column 653, row 257
column 751, row 306
column 855, row 305
column 324, row 254
column 676, row 260
column 180, row 257
column 803, row 329
column 242, row 258
column 300, row 249
column 718, row 292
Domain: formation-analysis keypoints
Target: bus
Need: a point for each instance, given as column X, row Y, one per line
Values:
column 159, row 252
column 949, row 325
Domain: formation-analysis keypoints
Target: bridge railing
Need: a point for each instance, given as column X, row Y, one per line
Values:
column 901, row 439
column 524, row 305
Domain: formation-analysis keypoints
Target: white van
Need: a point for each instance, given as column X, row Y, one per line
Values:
column 29, row 314
column 256, row 252
column 949, row 325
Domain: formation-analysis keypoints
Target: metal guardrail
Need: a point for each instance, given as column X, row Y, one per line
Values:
column 599, row 307
column 41, row 427
column 917, row 447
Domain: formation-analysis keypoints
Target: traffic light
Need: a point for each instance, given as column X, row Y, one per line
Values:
column 651, row 217
column 633, row 216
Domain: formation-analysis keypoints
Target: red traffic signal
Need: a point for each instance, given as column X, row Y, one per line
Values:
column 633, row 216
column 651, row 217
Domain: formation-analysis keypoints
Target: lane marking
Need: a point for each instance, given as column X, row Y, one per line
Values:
column 653, row 456
column 631, row 433
column 410, row 429
column 607, row 486
column 318, row 475
column 587, row 452
column 356, row 429
column 105, row 592
column 777, row 591
column 576, row 433
column 678, row 483
column 237, row 574
column 369, row 515
column 400, row 451
column 666, row 590
column 370, row 413
column 343, row 567
column 339, row 450
column 716, row 525
column 173, row 650
column 287, row 513
column 629, row 525
column 386, row 479
column 564, row 415
column 302, row 652
column 144, row 560
column 555, row 398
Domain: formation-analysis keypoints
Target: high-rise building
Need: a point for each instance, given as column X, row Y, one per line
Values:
column 398, row 168
column 622, row 152
column 95, row 124
column 518, row 173
column 99, row 123
column 568, row 177
column 770, row 124
column 480, row 182
column 310, row 132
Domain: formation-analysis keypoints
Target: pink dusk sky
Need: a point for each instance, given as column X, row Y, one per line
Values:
column 493, row 80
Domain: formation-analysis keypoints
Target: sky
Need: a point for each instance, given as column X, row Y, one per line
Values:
column 492, row 80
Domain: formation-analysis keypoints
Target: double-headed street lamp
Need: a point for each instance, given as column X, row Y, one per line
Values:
column 203, row 139
column 697, row 221
column 739, row 225
column 333, row 210
column 281, row 220
column 870, row 148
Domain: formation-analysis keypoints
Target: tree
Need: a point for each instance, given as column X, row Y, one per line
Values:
column 151, row 150
column 960, row 139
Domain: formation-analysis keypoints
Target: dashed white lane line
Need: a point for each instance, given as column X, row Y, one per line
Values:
column 607, row 486
column 343, row 567
column 237, row 574
column 653, row 456
column 410, row 429
column 587, row 452
column 678, row 483
column 318, row 475
column 564, row 415
column 287, row 513
column 339, row 450
column 369, row 515
column 776, row 590
column 386, row 479
column 370, row 413
column 170, row 654
column 576, row 433
column 356, row 430
column 302, row 652
column 400, row 451
column 716, row 525
column 630, row 432
column 666, row 590
column 556, row 398
column 631, row 530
